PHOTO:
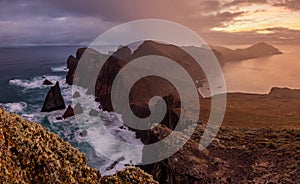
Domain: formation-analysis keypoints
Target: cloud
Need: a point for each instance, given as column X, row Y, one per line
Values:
column 244, row 2
column 76, row 21
column 276, row 35
column 289, row 4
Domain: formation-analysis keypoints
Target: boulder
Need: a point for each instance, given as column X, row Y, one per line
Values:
column 54, row 100
column 78, row 109
column 47, row 82
column 93, row 112
column 76, row 95
column 69, row 112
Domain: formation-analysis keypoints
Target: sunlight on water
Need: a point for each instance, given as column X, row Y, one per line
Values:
column 260, row 75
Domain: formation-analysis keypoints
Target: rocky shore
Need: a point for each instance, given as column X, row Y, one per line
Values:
column 30, row 154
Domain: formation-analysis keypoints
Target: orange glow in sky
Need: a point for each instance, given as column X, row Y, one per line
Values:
column 258, row 18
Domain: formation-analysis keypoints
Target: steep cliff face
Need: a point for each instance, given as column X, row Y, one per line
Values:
column 145, row 88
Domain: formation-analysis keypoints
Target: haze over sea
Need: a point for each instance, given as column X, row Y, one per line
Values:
column 261, row 74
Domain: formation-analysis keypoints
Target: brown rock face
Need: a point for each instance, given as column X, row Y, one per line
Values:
column 69, row 112
column 72, row 63
column 188, row 165
column 149, row 86
column 145, row 88
column 89, row 64
column 54, row 100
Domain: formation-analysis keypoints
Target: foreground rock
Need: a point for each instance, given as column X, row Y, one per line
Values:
column 54, row 100
column 30, row 154
column 129, row 175
column 235, row 156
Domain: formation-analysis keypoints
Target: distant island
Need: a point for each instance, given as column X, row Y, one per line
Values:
column 261, row 49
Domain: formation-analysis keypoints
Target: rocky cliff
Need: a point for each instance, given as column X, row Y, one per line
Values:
column 30, row 154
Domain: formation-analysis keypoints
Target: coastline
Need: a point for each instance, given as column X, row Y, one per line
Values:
column 31, row 154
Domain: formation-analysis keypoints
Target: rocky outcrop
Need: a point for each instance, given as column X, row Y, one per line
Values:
column 72, row 63
column 47, row 82
column 235, row 156
column 30, row 154
column 170, row 120
column 145, row 88
column 129, row 175
column 54, row 100
column 91, row 62
column 188, row 165
column 69, row 112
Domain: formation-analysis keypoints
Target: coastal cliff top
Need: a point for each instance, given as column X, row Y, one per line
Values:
column 30, row 154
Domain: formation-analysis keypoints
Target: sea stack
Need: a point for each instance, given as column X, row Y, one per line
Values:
column 54, row 100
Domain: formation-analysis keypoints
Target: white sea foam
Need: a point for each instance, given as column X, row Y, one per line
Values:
column 106, row 135
column 36, row 82
column 60, row 69
column 14, row 107
column 104, row 132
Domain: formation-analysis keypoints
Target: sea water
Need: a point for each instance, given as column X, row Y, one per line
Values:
column 23, row 70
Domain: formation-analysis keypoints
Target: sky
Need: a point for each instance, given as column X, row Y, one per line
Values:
column 222, row 22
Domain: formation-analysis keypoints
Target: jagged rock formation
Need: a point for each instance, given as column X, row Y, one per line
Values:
column 145, row 88
column 30, row 154
column 54, row 100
